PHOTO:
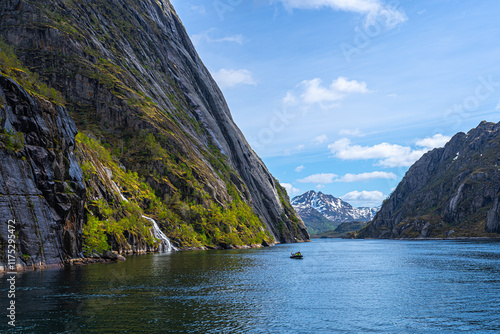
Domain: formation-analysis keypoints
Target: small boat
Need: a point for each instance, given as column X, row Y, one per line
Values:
column 297, row 255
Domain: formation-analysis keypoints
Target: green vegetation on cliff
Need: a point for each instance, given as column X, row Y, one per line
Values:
column 12, row 67
column 188, row 224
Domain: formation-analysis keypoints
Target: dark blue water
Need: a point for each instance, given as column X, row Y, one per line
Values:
column 341, row 286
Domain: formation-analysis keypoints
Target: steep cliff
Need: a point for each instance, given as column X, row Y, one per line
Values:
column 41, row 185
column 450, row 192
column 151, row 114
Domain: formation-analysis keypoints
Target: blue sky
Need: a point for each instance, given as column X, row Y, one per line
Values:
column 343, row 96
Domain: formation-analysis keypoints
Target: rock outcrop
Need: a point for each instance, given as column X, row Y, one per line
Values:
column 450, row 192
column 41, row 185
column 133, row 81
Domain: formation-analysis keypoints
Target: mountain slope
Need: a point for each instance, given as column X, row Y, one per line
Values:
column 450, row 192
column 321, row 212
column 146, row 105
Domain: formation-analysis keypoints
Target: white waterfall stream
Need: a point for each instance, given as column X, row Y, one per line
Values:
column 165, row 244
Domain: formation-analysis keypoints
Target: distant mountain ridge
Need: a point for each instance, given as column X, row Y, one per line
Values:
column 322, row 212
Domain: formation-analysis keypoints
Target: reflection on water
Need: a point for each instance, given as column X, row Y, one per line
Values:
column 339, row 286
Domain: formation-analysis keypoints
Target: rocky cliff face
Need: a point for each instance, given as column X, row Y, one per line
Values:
column 323, row 212
column 450, row 192
column 156, row 136
column 152, row 114
column 41, row 184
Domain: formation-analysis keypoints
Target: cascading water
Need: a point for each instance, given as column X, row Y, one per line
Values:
column 165, row 244
column 119, row 191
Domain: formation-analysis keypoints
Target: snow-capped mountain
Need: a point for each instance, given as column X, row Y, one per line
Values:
column 313, row 206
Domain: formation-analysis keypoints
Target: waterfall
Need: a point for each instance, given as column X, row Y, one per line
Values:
column 165, row 244
column 119, row 191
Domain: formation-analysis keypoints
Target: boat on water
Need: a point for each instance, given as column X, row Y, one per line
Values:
column 297, row 255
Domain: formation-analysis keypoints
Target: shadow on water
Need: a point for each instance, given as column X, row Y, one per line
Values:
column 339, row 286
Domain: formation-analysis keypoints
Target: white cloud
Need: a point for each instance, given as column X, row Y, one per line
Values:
column 320, row 186
column 327, row 178
column 290, row 189
column 314, row 92
column 435, row 141
column 346, row 86
column 374, row 10
column 389, row 155
column 228, row 78
column 366, row 177
column 324, row 178
column 368, row 197
column 301, row 147
column 351, row 133
column 320, row 139
column 392, row 95
column 300, row 168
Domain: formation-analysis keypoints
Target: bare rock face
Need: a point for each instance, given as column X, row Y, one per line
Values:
column 41, row 186
column 450, row 192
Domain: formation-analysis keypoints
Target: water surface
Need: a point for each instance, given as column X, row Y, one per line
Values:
column 341, row 286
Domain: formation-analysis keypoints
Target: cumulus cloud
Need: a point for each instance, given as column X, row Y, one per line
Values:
column 300, row 168
column 229, row 78
column 314, row 92
column 373, row 10
column 435, row 141
column 344, row 85
column 323, row 178
column 290, row 189
column 368, row 197
column 389, row 155
column 327, row 178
